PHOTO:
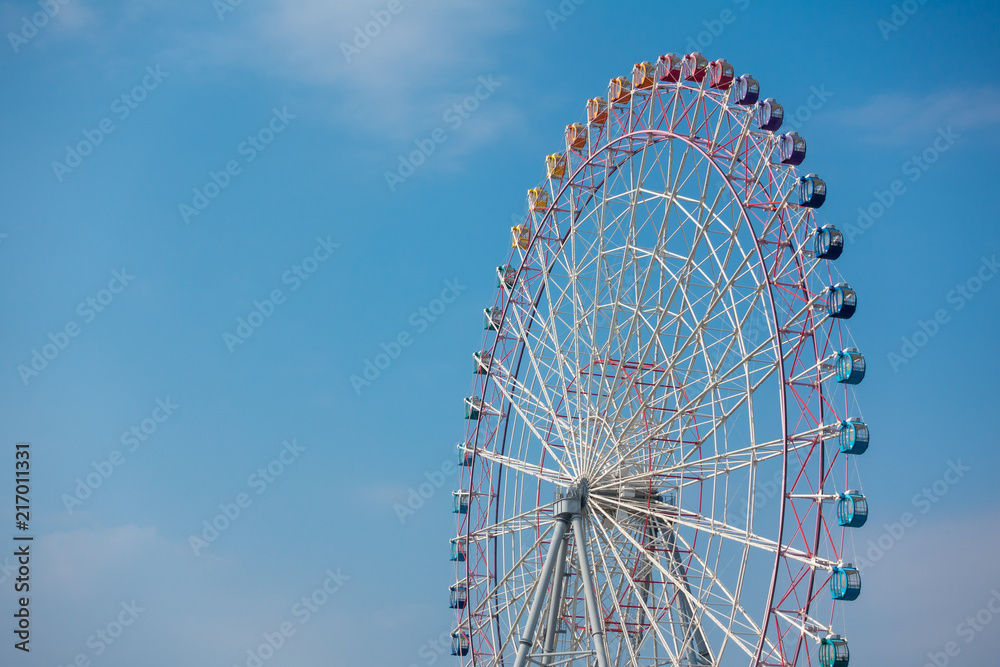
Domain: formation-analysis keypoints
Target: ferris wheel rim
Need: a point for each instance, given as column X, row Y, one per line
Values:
column 750, row 221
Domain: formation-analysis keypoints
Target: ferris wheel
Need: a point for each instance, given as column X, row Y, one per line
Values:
column 658, row 461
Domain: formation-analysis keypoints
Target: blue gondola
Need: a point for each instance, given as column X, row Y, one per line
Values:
column 473, row 406
column 850, row 366
column 465, row 455
column 853, row 436
column 812, row 191
column 460, row 644
column 791, row 148
column 459, row 596
column 833, row 652
column 842, row 301
column 492, row 318
column 746, row 90
column 852, row 509
column 458, row 549
column 845, row 584
column 460, row 502
column 769, row 115
column 828, row 243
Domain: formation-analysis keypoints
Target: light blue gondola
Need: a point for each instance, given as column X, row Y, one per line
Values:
column 458, row 549
column 492, row 318
column 853, row 436
column 833, row 652
column 460, row 644
column 460, row 502
column 506, row 276
column 845, row 584
column 465, row 455
column 850, row 367
column 473, row 406
column 481, row 363
column 459, row 595
column 852, row 509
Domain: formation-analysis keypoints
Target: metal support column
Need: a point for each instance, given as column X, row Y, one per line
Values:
column 528, row 635
column 589, row 596
column 555, row 602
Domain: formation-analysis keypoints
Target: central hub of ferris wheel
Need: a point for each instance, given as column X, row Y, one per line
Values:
column 573, row 501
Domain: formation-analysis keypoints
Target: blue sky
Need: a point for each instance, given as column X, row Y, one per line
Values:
column 307, row 210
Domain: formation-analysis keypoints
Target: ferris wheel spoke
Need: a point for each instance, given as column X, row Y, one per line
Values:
column 723, row 530
column 702, row 232
column 681, row 586
column 676, row 185
column 767, row 369
column 730, row 460
column 506, row 580
column 624, row 570
column 567, row 434
column 551, row 417
column 654, row 337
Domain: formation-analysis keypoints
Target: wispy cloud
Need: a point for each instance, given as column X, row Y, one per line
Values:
column 896, row 119
column 394, row 81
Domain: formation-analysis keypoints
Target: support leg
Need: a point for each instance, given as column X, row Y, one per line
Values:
column 700, row 653
column 528, row 635
column 593, row 611
column 555, row 602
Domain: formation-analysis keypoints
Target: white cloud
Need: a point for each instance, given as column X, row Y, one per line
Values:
column 396, row 85
column 895, row 119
